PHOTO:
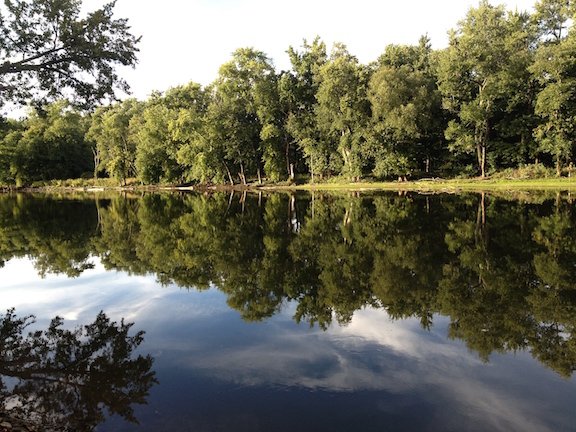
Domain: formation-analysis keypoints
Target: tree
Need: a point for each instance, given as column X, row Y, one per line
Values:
column 551, row 18
column 297, row 92
column 478, row 74
column 343, row 111
column 407, row 118
column 114, row 138
column 166, row 133
column 155, row 160
column 52, row 146
column 201, row 156
column 47, row 50
column 242, row 118
column 555, row 70
column 65, row 379
column 10, row 134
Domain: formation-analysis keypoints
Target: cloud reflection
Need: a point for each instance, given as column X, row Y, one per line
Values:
column 196, row 333
column 374, row 353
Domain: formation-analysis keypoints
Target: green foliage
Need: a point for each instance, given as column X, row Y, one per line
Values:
column 343, row 111
column 530, row 171
column 47, row 50
column 10, row 134
column 51, row 146
column 242, row 116
column 555, row 69
column 499, row 98
column 113, row 133
column 297, row 91
column 187, row 130
column 407, row 119
column 480, row 75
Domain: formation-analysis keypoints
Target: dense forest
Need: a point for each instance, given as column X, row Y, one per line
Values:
column 501, row 96
column 501, row 270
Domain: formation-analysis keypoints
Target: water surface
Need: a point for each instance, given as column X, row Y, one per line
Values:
column 308, row 312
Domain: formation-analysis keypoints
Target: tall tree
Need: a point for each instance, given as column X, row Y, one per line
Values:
column 114, row 138
column 242, row 115
column 10, row 133
column 555, row 69
column 48, row 50
column 407, row 117
column 343, row 111
column 167, row 133
column 298, row 89
column 201, row 156
column 476, row 77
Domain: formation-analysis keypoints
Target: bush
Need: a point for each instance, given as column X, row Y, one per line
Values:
column 529, row 171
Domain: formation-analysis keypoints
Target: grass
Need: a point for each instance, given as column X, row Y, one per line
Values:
column 442, row 185
column 528, row 178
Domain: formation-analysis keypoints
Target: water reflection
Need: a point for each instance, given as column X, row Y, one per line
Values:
column 62, row 379
column 502, row 270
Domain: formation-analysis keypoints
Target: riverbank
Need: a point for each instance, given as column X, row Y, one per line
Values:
column 423, row 185
column 440, row 185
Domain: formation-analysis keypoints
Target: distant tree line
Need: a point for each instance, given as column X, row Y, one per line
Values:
column 501, row 95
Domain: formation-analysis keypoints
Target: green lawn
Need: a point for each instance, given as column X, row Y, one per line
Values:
column 435, row 185
column 441, row 185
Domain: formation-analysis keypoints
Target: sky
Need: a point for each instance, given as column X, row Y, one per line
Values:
column 185, row 41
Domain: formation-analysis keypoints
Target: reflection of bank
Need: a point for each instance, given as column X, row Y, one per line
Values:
column 59, row 379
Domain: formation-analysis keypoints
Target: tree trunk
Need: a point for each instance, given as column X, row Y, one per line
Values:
column 259, row 176
column 96, row 156
column 242, row 176
column 287, row 154
column 230, row 201
column 483, row 161
column 243, row 200
column 311, row 170
column 347, row 162
column 229, row 175
column 481, row 138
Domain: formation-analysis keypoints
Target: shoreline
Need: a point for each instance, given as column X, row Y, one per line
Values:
column 425, row 185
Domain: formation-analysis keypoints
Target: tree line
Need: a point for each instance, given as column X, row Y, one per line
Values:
column 501, row 270
column 501, row 95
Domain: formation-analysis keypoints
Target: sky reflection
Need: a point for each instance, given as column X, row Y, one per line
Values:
column 210, row 363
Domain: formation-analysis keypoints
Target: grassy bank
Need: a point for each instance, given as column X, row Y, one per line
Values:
column 446, row 185
column 425, row 185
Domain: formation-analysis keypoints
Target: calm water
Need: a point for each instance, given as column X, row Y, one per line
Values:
column 282, row 313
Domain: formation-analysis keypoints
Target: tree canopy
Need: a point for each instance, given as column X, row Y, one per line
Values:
column 500, row 97
column 48, row 51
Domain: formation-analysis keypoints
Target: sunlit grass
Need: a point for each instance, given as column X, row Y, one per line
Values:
column 340, row 184
column 440, row 185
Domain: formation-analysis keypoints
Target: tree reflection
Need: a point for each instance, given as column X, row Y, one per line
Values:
column 501, row 269
column 68, row 380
